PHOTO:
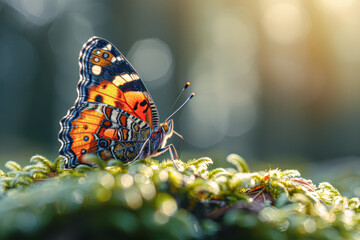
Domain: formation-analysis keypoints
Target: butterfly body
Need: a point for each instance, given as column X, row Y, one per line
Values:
column 114, row 115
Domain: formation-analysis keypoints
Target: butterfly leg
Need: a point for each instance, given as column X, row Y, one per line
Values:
column 173, row 154
column 142, row 149
column 172, row 151
column 182, row 141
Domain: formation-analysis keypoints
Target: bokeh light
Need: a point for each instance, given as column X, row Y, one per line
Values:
column 336, row 4
column 153, row 59
column 285, row 22
column 38, row 12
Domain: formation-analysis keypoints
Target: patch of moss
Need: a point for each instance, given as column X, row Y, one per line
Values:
column 155, row 200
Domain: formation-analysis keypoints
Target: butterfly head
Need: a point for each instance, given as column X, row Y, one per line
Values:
column 167, row 128
column 165, row 131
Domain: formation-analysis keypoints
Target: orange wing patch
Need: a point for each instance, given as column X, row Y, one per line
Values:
column 83, row 132
column 140, row 106
column 102, row 58
column 131, row 102
column 108, row 93
column 109, row 133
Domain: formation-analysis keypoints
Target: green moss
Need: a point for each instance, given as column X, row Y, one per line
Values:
column 154, row 200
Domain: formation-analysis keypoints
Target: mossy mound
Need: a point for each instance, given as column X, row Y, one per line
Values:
column 154, row 200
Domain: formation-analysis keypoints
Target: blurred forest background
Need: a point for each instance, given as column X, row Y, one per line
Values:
column 276, row 81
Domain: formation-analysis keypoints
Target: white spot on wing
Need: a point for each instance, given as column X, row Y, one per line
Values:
column 118, row 81
column 126, row 77
column 107, row 47
column 114, row 115
column 96, row 70
column 134, row 76
column 142, row 124
column 129, row 122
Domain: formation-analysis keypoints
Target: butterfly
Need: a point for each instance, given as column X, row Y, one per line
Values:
column 114, row 115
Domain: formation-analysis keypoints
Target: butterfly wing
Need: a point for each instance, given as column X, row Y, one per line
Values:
column 107, row 77
column 104, row 130
column 107, row 81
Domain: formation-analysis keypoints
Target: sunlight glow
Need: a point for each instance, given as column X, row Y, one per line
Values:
column 336, row 4
column 286, row 22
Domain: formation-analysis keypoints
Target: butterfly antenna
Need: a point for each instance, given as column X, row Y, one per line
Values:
column 181, row 92
column 190, row 97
